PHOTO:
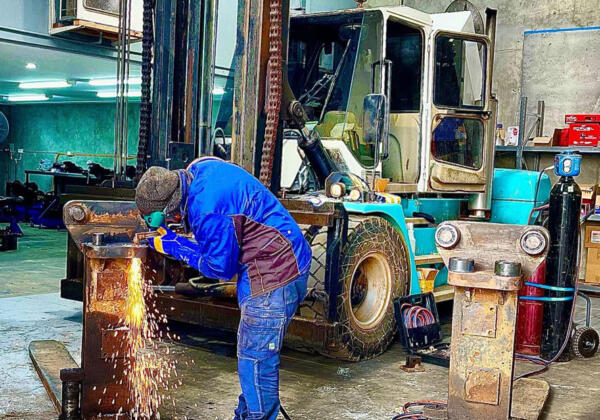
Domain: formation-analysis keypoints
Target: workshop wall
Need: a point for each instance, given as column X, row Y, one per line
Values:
column 43, row 130
column 514, row 18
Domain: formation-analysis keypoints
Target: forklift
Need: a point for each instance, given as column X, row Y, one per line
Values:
column 372, row 126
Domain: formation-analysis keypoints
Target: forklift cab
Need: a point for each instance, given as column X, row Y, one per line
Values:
column 433, row 74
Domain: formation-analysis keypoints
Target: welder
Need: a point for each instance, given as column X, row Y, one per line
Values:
column 240, row 228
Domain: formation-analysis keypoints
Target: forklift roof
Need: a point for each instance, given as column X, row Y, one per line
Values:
column 453, row 21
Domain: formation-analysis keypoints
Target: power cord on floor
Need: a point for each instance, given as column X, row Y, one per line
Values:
column 283, row 412
column 419, row 414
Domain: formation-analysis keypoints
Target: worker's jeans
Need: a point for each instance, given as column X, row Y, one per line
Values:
column 260, row 337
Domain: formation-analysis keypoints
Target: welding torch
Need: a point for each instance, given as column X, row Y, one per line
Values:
column 197, row 289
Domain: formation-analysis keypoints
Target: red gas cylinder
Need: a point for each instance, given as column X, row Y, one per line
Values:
column 530, row 314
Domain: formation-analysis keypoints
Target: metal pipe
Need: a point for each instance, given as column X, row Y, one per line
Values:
column 541, row 111
column 480, row 204
column 490, row 30
column 209, row 39
column 522, row 122
column 69, row 154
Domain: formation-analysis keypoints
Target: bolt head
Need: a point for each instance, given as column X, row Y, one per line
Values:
column 533, row 242
column 77, row 213
column 447, row 236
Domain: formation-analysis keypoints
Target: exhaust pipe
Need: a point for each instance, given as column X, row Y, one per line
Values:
column 481, row 204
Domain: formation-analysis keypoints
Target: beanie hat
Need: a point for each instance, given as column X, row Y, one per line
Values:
column 159, row 189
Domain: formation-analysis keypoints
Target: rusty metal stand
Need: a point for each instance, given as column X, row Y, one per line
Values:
column 104, row 232
column 487, row 263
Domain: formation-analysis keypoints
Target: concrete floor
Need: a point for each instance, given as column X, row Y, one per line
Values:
column 312, row 387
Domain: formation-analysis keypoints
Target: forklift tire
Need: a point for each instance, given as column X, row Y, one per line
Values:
column 584, row 342
column 374, row 270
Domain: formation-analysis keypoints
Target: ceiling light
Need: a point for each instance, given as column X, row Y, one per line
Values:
column 31, row 66
column 112, row 94
column 27, row 98
column 45, row 85
column 113, row 82
column 218, row 91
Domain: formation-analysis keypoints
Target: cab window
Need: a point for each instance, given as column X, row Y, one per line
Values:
column 458, row 141
column 404, row 48
column 459, row 72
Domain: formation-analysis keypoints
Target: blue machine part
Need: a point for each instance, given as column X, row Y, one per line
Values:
column 513, row 195
column 440, row 208
column 567, row 164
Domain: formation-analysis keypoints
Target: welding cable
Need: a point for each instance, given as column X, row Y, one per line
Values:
column 537, row 187
column 547, row 363
column 418, row 414
column 283, row 412
column 533, row 210
column 416, row 316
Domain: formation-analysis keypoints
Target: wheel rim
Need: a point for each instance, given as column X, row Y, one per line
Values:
column 370, row 290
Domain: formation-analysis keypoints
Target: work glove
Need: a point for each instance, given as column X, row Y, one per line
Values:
column 178, row 247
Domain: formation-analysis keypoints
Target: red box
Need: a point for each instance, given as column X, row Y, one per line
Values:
column 560, row 137
column 582, row 118
column 584, row 134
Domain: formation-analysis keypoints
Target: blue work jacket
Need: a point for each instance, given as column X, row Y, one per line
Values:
column 241, row 228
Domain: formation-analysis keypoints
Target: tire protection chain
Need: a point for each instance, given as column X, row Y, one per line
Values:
column 146, row 104
column 274, row 91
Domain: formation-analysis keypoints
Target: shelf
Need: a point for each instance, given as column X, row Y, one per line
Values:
column 550, row 149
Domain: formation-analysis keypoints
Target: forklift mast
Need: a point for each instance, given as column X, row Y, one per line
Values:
column 175, row 114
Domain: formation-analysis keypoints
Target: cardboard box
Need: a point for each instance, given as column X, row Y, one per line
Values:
column 592, row 236
column 597, row 204
column 588, row 193
column 592, row 267
column 542, row 141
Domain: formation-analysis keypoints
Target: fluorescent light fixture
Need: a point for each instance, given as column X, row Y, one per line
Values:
column 45, row 85
column 31, row 66
column 113, row 94
column 218, row 91
column 27, row 98
column 113, row 82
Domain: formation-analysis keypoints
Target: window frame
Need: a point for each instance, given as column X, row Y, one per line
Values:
column 481, row 120
column 97, row 10
column 397, row 20
column 484, row 94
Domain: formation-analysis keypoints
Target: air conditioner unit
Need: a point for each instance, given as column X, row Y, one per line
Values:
column 102, row 12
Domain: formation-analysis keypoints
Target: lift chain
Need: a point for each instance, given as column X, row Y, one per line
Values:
column 146, row 104
column 274, row 91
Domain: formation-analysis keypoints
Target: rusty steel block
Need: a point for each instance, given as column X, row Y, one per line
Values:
column 485, row 313
column 104, row 362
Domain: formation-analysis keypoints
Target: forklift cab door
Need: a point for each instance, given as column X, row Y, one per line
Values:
column 460, row 126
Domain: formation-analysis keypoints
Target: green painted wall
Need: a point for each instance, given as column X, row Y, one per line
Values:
column 42, row 130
